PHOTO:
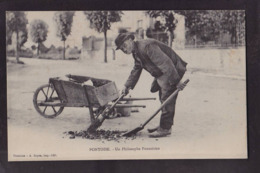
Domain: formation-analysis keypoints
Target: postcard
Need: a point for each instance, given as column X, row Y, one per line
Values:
column 126, row 85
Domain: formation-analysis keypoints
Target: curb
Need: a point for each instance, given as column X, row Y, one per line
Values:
column 220, row 76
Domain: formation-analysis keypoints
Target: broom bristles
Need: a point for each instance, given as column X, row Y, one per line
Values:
column 94, row 126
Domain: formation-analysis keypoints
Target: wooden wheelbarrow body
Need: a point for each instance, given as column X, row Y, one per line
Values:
column 79, row 91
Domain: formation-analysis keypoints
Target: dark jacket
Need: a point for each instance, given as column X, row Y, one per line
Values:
column 155, row 57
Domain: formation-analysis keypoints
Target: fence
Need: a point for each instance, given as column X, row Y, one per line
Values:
column 213, row 45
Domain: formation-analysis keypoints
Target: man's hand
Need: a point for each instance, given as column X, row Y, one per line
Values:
column 181, row 85
column 125, row 91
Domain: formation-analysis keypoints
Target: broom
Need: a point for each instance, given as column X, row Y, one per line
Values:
column 101, row 118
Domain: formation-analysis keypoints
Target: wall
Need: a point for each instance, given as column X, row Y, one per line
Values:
column 217, row 61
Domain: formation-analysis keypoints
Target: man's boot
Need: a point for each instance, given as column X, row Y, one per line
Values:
column 151, row 130
column 161, row 133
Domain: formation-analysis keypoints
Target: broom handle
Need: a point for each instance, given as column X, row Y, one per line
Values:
column 114, row 104
column 108, row 109
column 164, row 103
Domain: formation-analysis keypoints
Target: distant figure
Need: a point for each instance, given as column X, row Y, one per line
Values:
column 164, row 65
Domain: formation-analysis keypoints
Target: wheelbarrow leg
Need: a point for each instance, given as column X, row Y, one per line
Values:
column 91, row 112
column 90, row 107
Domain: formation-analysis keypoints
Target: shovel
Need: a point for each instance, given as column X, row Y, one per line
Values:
column 141, row 127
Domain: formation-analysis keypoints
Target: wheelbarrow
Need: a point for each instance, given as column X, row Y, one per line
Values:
column 50, row 99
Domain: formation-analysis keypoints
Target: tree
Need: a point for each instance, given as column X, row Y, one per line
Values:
column 33, row 47
column 208, row 24
column 8, row 36
column 198, row 23
column 169, row 25
column 63, row 20
column 38, row 32
column 23, row 37
column 158, row 26
column 101, row 21
column 16, row 22
column 232, row 20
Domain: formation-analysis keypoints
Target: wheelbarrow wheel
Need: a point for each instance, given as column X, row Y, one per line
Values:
column 47, row 93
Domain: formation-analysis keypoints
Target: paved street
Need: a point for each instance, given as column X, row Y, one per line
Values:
column 210, row 120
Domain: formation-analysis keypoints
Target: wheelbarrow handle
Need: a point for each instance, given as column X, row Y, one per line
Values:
column 129, row 106
column 136, row 99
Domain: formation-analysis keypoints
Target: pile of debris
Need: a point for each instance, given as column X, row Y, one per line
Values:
column 107, row 135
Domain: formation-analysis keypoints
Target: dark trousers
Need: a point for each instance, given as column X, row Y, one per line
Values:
column 166, row 89
column 168, row 111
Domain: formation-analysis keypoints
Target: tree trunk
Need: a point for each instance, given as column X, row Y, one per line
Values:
column 234, row 36
column 17, row 46
column 114, row 54
column 105, row 53
column 170, row 39
column 64, row 49
column 38, row 47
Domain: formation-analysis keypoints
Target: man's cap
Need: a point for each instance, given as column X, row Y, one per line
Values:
column 123, row 37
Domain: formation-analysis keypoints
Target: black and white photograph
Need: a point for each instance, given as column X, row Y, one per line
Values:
column 126, row 85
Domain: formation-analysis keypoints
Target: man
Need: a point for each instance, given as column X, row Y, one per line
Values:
column 164, row 65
